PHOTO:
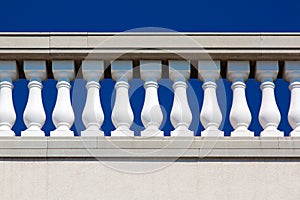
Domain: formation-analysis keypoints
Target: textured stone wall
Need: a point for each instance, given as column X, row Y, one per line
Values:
column 183, row 179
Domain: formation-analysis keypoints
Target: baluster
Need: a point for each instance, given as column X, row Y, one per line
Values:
column 181, row 115
column 269, row 115
column 122, row 115
column 34, row 114
column 92, row 115
column 151, row 115
column 240, row 115
column 63, row 115
column 292, row 74
column 210, row 115
column 8, row 73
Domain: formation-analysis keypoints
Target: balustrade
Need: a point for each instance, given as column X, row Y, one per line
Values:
column 151, row 113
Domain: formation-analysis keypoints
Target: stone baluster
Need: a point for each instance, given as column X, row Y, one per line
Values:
column 93, row 115
column 63, row 115
column 122, row 115
column 269, row 115
column 240, row 115
column 210, row 115
column 8, row 73
column 292, row 74
column 34, row 115
column 151, row 115
column 181, row 115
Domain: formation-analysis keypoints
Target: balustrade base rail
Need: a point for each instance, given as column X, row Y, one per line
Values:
column 139, row 147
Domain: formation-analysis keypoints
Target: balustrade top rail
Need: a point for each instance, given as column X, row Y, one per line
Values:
column 250, row 46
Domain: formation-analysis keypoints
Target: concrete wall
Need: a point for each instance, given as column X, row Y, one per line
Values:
column 183, row 179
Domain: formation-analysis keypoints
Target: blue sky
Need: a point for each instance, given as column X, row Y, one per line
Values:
column 188, row 15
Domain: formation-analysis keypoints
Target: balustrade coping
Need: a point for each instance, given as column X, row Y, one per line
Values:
column 149, row 45
column 139, row 147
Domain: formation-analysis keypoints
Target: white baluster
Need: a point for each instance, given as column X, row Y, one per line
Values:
column 292, row 74
column 8, row 73
column 92, row 115
column 151, row 115
column 34, row 114
column 269, row 115
column 240, row 115
column 122, row 115
column 63, row 115
column 181, row 115
column 210, row 115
